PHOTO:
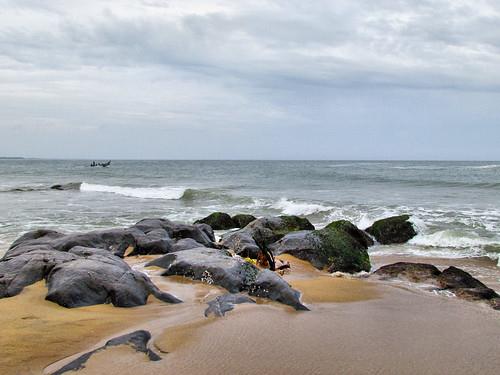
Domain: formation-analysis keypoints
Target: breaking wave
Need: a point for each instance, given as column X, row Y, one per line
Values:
column 137, row 192
column 289, row 207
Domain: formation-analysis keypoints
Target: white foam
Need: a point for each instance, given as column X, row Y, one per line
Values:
column 165, row 192
column 489, row 166
column 289, row 207
column 451, row 238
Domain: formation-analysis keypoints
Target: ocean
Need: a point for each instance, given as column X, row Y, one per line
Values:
column 455, row 206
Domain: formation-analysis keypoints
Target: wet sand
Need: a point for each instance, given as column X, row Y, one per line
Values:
column 354, row 326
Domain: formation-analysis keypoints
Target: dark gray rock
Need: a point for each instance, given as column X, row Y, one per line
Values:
column 270, row 285
column 414, row 272
column 464, row 285
column 232, row 273
column 98, row 277
column 340, row 246
column 185, row 244
column 218, row 221
column 242, row 220
column 138, row 340
column 222, row 304
column 80, row 277
column 262, row 232
column 396, row 229
column 209, row 265
column 68, row 186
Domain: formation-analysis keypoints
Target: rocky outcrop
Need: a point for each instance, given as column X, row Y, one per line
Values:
column 137, row 340
column 261, row 232
column 242, row 220
column 68, row 186
column 396, row 229
column 340, row 246
column 148, row 236
column 218, row 267
column 453, row 279
column 218, row 221
column 222, row 304
column 80, row 277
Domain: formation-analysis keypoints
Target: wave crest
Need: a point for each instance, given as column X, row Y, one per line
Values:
column 164, row 192
column 289, row 207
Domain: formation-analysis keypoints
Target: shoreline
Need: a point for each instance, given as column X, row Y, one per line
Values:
column 350, row 310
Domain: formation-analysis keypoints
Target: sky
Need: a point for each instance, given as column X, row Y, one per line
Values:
column 284, row 79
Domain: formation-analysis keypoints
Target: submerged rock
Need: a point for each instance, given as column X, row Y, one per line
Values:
column 461, row 283
column 218, row 267
column 415, row 272
column 396, row 229
column 242, row 220
column 340, row 246
column 137, row 340
column 218, row 221
column 222, row 304
column 263, row 231
column 68, row 186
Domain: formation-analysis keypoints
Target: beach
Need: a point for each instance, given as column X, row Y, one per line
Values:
column 354, row 326
column 356, row 323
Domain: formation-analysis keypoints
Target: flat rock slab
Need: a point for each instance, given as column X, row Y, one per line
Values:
column 137, row 340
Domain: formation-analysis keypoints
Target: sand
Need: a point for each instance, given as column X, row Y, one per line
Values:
column 354, row 326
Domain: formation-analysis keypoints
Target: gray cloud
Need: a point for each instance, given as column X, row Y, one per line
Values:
column 229, row 72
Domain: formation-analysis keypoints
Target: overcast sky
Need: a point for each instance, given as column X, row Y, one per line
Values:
column 285, row 79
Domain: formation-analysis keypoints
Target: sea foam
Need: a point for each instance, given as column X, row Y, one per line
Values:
column 289, row 207
column 165, row 192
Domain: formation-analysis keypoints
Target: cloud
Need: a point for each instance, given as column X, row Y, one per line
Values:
column 234, row 67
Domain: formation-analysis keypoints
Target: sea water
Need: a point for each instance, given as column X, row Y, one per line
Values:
column 455, row 206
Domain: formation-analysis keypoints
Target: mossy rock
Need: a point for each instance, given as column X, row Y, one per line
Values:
column 342, row 247
column 396, row 229
column 242, row 220
column 291, row 223
column 218, row 221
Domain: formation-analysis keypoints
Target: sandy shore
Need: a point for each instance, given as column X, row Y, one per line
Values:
column 354, row 326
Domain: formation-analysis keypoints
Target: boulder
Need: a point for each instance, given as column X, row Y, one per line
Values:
column 218, row 221
column 242, row 220
column 80, row 277
column 137, row 340
column 396, row 229
column 209, row 265
column 414, row 272
column 464, row 285
column 232, row 273
column 222, row 304
column 262, row 232
column 340, row 246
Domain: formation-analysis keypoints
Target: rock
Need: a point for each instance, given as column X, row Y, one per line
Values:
column 461, row 283
column 218, row 221
column 185, row 244
column 263, row 231
column 149, row 236
column 340, row 246
column 81, row 277
column 396, row 229
column 270, row 285
column 98, row 277
column 222, row 304
column 209, row 265
column 242, row 220
column 232, row 273
column 138, row 340
column 68, row 186
column 414, row 272
column 464, row 285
